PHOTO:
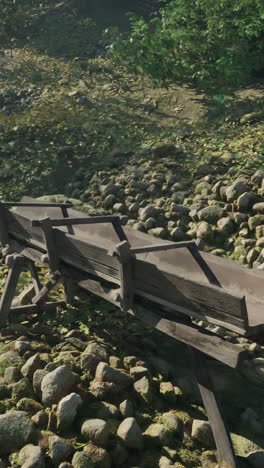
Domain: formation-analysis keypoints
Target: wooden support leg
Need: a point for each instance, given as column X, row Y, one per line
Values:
column 46, row 289
column 211, row 404
column 69, row 290
column 35, row 280
column 15, row 267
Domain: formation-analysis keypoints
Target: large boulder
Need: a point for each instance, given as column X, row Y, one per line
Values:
column 98, row 350
column 16, row 430
column 67, row 410
column 98, row 455
column 59, row 449
column 32, row 456
column 22, row 389
column 57, row 384
column 211, row 214
column 233, row 191
column 95, row 430
column 82, row 460
column 31, row 365
column 8, row 359
column 258, row 208
column 202, row 432
column 106, row 373
column 158, row 435
column 130, row 433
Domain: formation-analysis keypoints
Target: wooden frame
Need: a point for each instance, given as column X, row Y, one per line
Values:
column 16, row 264
column 122, row 275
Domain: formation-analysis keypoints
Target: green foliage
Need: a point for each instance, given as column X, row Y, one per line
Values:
column 210, row 44
column 15, row 18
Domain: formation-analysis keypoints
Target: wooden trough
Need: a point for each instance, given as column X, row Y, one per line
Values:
column 131, row 269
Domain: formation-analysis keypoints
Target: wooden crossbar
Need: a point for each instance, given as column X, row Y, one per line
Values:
column 37, row 204
column 116, row 221
column 75, row 221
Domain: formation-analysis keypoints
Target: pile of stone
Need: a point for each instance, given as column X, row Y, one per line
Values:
column 52, row 398
column 74, row 404
column 17, row 99
column 225, row 211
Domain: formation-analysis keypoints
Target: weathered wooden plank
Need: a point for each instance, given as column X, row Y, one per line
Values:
column 124, row 259
column 200, row 299
column 36, row 204
column 213, row 410
column 226, row 321
column 34, row 308
column 200, row 339
column 160, row 247
column 58, row 222
column 203, row 340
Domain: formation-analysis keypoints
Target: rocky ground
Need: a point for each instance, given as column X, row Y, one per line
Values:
column 88, row 387
column 91, row 389
column 223, row 210
column 95, row 390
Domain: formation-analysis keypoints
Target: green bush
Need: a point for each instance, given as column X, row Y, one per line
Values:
column 211, row 44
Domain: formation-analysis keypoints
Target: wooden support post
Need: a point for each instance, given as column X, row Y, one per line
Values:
column 65, row 214
column 123, row 254
column 3, row 225
column 69, row 289
column 35, row 280
column 46, row 226
column 117, row 225
column 15, row 264
column 221, row 435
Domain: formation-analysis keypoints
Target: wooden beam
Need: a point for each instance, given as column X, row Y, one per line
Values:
column 42, row 294
column 46, row 227
column 35, row 279
column 201, row 339
column 124, row 258
column 37, row 204
column 34, row 308
column 15, row 264
column 74, row 221
column 4, row 238
column 119, row 231
column 212, row 406
column 159, row 247
column 204, row 266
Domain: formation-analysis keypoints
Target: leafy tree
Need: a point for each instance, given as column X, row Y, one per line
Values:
column 15, row 17
column 212, row 44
